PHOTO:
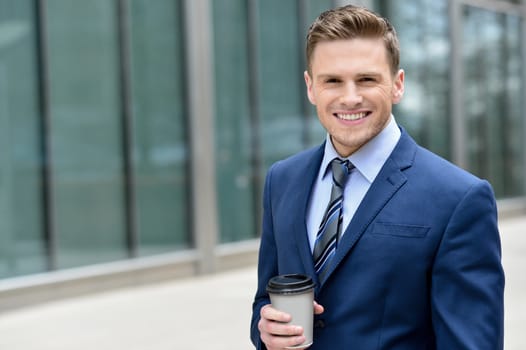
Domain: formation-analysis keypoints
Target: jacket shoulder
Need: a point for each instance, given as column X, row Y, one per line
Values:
column 429, row 166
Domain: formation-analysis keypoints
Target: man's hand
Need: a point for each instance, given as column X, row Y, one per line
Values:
column 275, row 331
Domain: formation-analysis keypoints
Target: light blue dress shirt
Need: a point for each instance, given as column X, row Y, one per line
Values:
column 368, row 161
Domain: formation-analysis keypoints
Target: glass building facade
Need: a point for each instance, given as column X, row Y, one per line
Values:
column 135, row 128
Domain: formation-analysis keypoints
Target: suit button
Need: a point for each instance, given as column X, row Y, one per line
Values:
column 319, row 324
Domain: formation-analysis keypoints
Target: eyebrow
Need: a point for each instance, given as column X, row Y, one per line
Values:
column 359, row 75
column 369, row 74
column 327, row 75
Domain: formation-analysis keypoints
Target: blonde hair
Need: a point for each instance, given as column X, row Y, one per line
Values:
column 350, row 22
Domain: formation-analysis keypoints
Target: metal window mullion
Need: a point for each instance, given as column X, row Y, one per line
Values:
column 127, row 127
column 200, row 94
column 523, row 49
column 254, row 93
column 49, row 233
column 303, row 13
column 458, row 120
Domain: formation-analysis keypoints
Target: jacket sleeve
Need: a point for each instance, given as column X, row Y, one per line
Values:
column 467, row 282
column 267, row 262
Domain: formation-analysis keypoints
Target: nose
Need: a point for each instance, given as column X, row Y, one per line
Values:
column 350, row 95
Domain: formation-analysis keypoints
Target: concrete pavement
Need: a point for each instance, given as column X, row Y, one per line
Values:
column 513, row 236
column 198, row 313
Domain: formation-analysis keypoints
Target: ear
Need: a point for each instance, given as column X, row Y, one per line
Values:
column 308, row 83
column 398, row 86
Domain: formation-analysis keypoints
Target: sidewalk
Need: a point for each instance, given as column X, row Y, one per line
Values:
column 199, row 313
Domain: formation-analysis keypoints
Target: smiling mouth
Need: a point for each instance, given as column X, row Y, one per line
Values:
column 352, row 116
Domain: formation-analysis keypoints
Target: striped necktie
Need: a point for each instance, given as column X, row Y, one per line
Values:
column 330, row 227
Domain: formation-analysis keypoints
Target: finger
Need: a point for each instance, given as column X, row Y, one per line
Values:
column 278, row 328
column 275, row 323
column 270, row 313
column 279, row 342
column 274, row 330
column 318, row 309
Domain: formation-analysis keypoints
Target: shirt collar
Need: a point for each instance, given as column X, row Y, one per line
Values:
column 371, row 157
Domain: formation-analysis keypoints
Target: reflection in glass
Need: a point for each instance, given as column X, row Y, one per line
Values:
column 493, row 98
column 159, row 151
column 21, row 238
column 315, row 131
column 85, row 132
column 232, row 124
column 422, row 27
column 281, row 80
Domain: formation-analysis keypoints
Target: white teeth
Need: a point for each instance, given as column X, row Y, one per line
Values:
column 355, row 116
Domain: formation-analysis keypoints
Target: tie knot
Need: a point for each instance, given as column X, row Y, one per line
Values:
column 340, row 170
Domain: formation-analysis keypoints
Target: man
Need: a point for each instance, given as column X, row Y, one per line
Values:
column 412, row 256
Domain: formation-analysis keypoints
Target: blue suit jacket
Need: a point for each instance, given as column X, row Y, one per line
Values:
column 419, row 266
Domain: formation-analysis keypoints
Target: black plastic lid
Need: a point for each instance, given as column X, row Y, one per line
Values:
column 289, row 284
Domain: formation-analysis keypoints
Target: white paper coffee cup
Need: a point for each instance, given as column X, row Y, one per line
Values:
column 294, row 294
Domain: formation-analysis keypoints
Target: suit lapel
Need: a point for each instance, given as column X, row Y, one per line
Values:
column 306, row 178
column 387, row 183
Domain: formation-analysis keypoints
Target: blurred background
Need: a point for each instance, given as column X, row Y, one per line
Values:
column 135, row 134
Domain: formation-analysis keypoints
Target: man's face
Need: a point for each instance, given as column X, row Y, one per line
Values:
column 353, row 90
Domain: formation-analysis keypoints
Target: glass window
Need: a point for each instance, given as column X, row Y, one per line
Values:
column 493, row 92
column 422, row 28
column 86, row 131
column 21, row 237
column 282, row 86
column 281, row 100
column 159, row 138
column 233, row 133
column 315, row 131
